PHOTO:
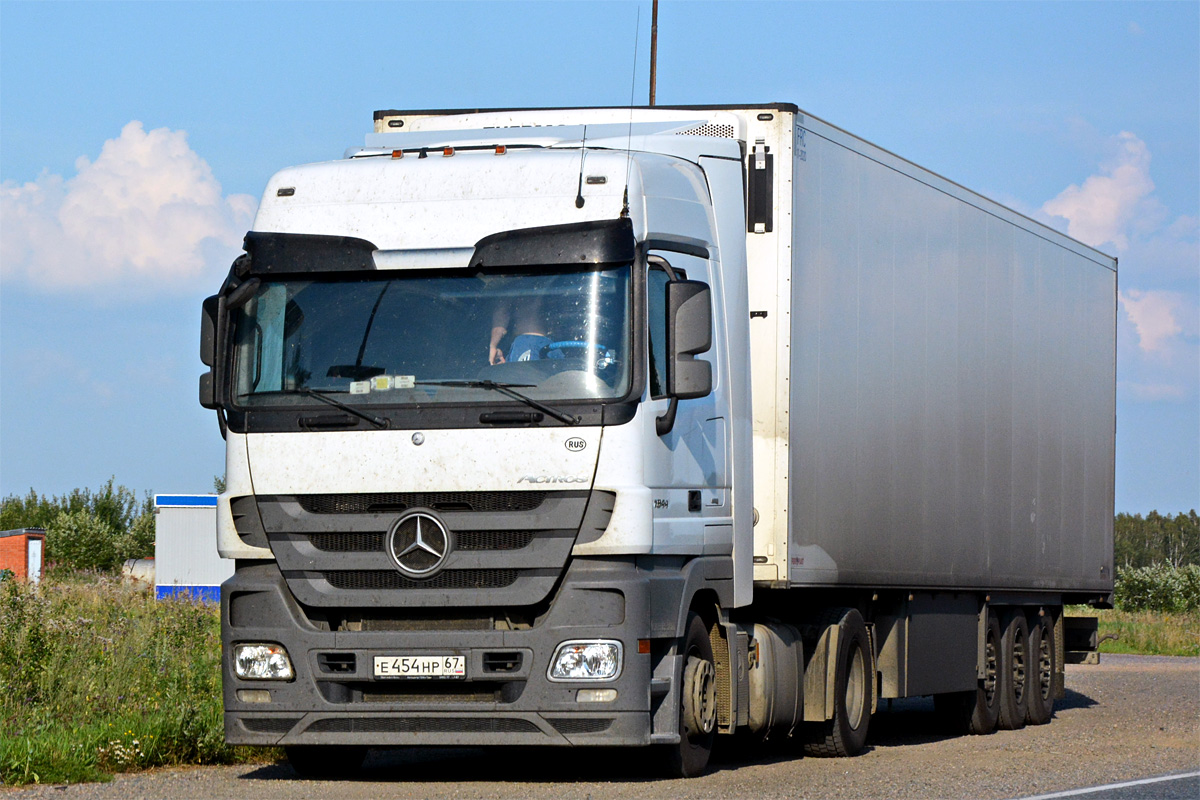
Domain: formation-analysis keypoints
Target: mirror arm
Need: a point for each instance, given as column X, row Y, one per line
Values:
column 666, row 422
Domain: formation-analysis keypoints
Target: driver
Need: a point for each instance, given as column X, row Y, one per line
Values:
column 529, row 321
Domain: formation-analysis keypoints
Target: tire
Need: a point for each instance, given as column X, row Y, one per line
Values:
column 985, row 712
column 1043, row 663
column 854, row 686
column 325, row 761
column 697, row 704
column 1014, row 670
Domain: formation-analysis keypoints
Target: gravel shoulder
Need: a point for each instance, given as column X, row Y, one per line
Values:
column 1129, row 717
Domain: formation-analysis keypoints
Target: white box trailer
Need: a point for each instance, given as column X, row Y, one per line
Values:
column 811, row 426
column 186, row 562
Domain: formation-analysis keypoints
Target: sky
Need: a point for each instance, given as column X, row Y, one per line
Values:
column 136, row 138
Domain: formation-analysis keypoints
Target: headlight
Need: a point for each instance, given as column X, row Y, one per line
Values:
column 592, row 660
column 262, row 662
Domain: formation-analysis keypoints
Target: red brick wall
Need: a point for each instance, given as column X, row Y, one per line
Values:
column 14, row 554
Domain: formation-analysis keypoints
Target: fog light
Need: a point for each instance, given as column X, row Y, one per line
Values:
column 592, row 660
column 595, row 695
column 254, row 695
column 262, row 662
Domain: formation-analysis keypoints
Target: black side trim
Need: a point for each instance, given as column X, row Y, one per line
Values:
column 280, row 253
column 607, row 241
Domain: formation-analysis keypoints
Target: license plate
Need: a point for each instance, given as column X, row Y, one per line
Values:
column 420, row 667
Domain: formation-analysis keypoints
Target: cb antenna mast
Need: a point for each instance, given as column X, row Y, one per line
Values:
column 653, row 49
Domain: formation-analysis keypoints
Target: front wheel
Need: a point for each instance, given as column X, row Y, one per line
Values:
column 325, row 761
column 697, row 703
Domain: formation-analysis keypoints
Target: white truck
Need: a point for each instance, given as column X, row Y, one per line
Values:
column 646, row 426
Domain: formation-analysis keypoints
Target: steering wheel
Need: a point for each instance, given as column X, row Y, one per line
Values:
column 573, row 349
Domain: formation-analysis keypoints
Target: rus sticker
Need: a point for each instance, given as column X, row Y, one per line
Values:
column 360, row 387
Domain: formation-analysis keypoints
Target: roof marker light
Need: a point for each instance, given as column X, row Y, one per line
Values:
column 448, row 151
column 397, row 154
column 501, row 149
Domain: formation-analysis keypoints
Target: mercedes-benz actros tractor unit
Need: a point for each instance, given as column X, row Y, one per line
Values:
column 612, row 426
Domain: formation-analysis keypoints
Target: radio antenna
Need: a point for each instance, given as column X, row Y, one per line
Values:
column 653, row 50
column 629, row 132
column 582, row 152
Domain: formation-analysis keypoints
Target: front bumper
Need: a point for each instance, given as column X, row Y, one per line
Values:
column 506, row 697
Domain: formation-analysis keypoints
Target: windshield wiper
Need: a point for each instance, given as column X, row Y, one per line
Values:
column 509, row 390
column 378, row 422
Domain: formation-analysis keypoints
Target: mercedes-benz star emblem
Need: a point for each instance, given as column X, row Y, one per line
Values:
column 418, row 543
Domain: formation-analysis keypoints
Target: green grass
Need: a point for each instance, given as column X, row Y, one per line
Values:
column 1147, row 633
column 97, row 677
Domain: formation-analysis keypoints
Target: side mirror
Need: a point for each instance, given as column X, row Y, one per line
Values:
column 689, row 333
column 209, row 325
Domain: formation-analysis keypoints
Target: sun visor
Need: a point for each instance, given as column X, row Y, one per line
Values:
column 283, row 253
column 608, row 241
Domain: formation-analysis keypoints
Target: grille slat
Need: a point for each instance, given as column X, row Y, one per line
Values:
column 464, row 540
column 401, row 501
column 450, row 579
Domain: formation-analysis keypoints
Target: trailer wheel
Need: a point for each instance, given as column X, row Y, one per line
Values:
column 1014, row 670
column 697, row 703
column 854, row 684
column 325, row 761
column 986, row 711
column 1043, row 662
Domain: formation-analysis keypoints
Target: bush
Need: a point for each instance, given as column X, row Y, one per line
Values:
column 1159, row 587
column 81, row 540
column 96, row 677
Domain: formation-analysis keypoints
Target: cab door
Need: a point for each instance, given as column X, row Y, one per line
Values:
column 685, row 468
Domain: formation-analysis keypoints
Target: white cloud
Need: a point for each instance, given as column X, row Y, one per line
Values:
column 1104, row 208
column 1154, row 316
column 146, row 213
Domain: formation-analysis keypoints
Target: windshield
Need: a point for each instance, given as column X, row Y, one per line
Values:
column 397, row 339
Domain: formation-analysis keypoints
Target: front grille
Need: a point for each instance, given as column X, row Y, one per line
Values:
column 464, row 540
column 570, row 725
column 422, row 725
column 450, row 579
column 401, row 501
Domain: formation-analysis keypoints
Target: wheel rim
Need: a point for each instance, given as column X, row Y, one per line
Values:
column 700, row 708
column 1045, row 666
column 855, row 696
column 991, row 673
column 1019, row 670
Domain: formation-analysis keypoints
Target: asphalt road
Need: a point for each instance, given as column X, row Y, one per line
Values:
column 1130, row 718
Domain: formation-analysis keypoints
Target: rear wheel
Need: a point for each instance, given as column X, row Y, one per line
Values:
column 986, row 710
column 325, row 761
column 1043, row 662
column 1014, row 670
column 697, row 703
column 854, row 684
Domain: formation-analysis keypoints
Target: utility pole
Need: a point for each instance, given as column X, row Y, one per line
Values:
column 653, row 49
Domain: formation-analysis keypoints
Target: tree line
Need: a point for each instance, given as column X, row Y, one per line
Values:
column 1156, row 539
column 86, row 529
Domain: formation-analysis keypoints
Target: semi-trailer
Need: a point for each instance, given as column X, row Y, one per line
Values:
column 648, row 426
